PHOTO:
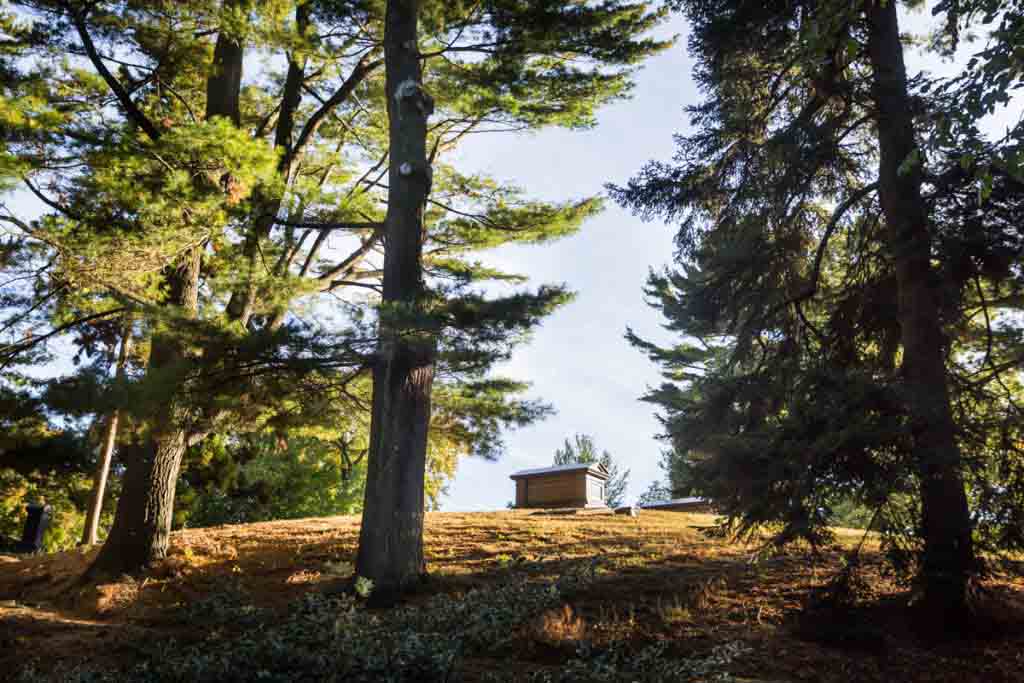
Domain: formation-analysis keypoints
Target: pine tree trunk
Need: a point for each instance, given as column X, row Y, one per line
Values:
column 948, row 558
column 224, row 84
column 391, row 537
column 99, row 485
column 142, row 523
column 241, row 305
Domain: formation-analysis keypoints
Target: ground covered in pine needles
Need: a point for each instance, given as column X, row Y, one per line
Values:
column 511, row 596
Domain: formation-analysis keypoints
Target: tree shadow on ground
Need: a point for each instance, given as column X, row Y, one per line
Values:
column 654, row 580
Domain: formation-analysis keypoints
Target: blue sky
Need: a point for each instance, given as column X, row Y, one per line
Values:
column 579, row 360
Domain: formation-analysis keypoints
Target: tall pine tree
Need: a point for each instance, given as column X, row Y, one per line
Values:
column 830, row 269
column 391, row 534
column 236, row 207
column 511, row 57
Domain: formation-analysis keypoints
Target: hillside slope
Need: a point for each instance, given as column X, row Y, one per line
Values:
column 636, row 596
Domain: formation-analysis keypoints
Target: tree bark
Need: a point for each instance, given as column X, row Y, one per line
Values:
column 224, row 84
column 243, row 300
column 142, row 523
column 99, row 485
column 948, row 559
column 391, row 536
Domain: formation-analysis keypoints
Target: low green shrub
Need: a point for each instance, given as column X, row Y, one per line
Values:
column 651, row 664
column 334, row 638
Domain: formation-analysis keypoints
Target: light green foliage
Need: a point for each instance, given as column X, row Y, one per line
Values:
column 165, row 198
column 65, row 494
column 533, row 64
column 363, row 587
column 471, row 415
column 265, row 476
column 283, row 212
column 310, row 478
column 310, row 460
column 42, row 464
column 851, row 515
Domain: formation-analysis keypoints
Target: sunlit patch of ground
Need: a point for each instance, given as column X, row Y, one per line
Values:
column 659, row 578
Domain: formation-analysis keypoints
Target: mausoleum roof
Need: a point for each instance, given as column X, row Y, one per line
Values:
column 593, row 467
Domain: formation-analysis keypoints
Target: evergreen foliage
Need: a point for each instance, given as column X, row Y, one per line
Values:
column 790, row 396
column 678, row 481
column 216, row 169
column 656, row 492
column 47, row 462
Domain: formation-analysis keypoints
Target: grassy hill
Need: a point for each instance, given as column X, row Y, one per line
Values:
column 511, row 596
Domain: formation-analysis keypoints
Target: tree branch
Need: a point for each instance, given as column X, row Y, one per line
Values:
column 133, row 111
column 49, row 202
column 342, row 225
column 12, row 350
column 819, row 256
column 362, row 69
column 353, row 259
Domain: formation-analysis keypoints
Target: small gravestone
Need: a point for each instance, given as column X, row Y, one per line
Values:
column 36, row 523
column 627, row 510
column 35, row 527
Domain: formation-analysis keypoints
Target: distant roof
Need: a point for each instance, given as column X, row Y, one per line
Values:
column 675, row 501
column 593, row 467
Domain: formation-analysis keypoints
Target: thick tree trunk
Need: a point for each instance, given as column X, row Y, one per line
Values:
column 99, row 485
column 391, row 537
column 948, row 558
column 142, row 523
column 224, row 85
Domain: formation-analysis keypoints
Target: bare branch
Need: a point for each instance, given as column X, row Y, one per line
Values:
column 362, row 69
column 132, row 109
column 49, row 202
column 11, row 351
column 353, row 259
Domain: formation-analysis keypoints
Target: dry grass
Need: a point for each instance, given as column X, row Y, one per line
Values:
column 558, row 627
column 658, row 578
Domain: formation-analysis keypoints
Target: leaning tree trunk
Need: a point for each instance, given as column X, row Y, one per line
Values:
column 391, row 537
column 142, row 523
column 948, row 558
column 99, row 485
